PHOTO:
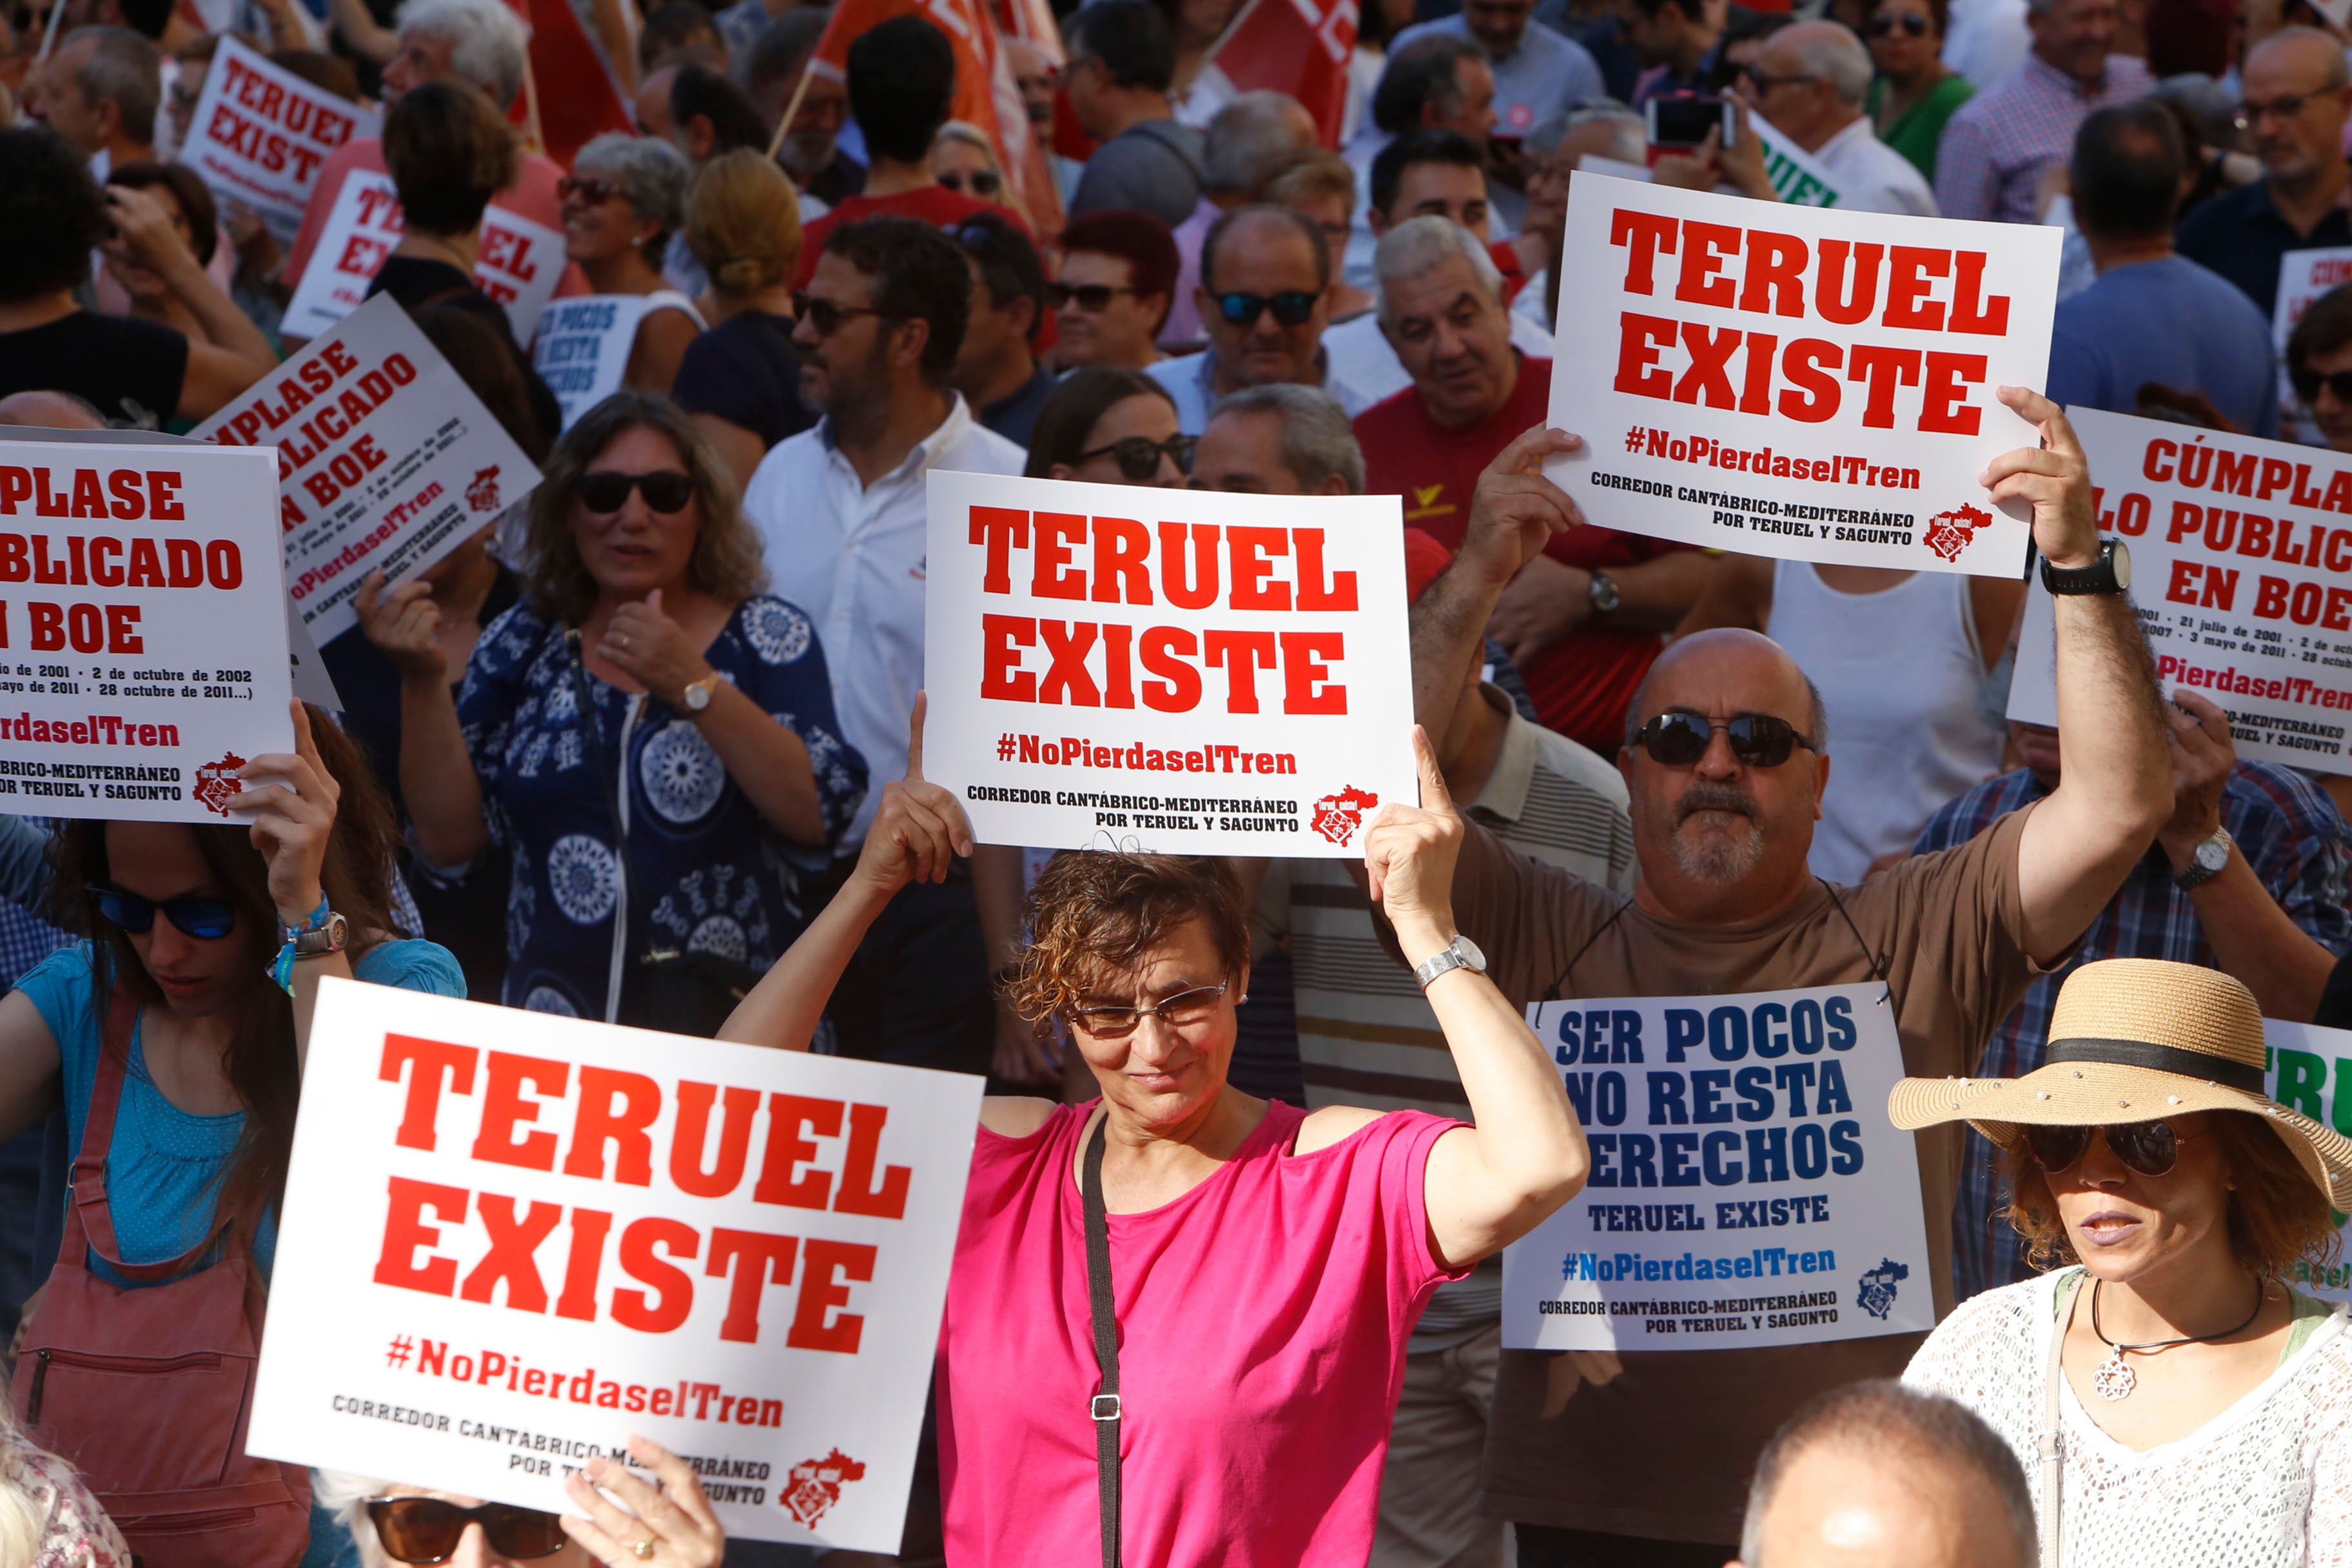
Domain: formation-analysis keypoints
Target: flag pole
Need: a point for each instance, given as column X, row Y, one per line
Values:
column 800, row 90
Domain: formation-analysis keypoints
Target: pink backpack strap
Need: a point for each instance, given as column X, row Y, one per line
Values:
column 89, row 1214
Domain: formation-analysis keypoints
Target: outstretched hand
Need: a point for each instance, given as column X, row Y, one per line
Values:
column 1409, row 855
column 294, row 817
column 2054, row 477
column 1514, row 510
column 918, row 829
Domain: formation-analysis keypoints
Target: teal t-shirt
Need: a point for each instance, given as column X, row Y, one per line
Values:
column 163, row 1168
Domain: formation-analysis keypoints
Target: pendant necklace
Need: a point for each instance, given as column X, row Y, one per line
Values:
column 2115, row 1379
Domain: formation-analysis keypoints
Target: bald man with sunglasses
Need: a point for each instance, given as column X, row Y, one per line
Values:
column 1642, row 1458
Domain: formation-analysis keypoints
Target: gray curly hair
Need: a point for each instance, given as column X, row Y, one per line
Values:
column 653, row 175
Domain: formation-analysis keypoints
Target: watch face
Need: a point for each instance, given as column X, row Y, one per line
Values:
column 1470, row 952
column 697, row 698
column 2211, row 857
column 2122, row 563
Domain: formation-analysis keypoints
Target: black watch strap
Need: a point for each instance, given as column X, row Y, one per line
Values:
column 2102, row 576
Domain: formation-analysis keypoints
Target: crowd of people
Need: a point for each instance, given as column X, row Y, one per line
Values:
column 648, row 750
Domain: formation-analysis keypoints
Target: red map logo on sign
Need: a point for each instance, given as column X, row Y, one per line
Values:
column 1949, row 533
column 1337, row 816
column 815, row 1486
column 217, row 783
column 482, row 495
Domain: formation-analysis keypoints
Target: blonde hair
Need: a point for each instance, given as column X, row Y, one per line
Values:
column 1310, row 174
column 969, row 135
column 743, row 223
column 22, row 1526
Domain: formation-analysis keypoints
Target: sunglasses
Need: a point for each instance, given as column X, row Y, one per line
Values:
column 1757, row 740
column 1092, row 298
column 1914, row 25
column 827, row 316
column 428, row 1529
column 595, row 193
column 1185, row 1010
column 666, row 490
column 2151, row 1148
column 1291, row 308
column 207, row 920
column 1138, row 455
column 1767, row 83
column 2308, row 382
column 984, row 183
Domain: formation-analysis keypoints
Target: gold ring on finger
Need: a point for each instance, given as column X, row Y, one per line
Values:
column 642, row 1550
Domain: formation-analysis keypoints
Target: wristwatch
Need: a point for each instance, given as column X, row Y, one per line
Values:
column 1459, row 953
column 321, row 939
column 2212, row 854
column 698, row 693
column 1602, row 592
column 2110, row 573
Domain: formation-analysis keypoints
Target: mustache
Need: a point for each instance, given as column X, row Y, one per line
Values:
column 1707, row 796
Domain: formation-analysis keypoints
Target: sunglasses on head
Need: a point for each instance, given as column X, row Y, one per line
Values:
column 2151, row 1148
column 2308, row 382
column 1914, row 25
column 1291, row 308
column 827, row 316
column 1138, row 455
column 207, row 920
column 982, row 182
column 1092, row 298
column 594, row 191
column 428, row 1529
column 1186, row 1009
column 1757, row 740
column 606, row 491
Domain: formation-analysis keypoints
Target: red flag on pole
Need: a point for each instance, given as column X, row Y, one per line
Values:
column 588, row 104
column 1298, row 46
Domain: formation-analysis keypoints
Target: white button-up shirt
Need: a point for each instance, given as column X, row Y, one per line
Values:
column 853, row 556
column 1871, row 177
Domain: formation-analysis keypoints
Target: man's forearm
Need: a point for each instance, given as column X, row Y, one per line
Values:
column 2110, row 730
column 2257, row 942
column 1449, row 628
column 1654, row 595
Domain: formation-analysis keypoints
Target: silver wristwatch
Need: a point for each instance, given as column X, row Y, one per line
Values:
column 1459, row 953
column 2212, row 854
column 1602, row 591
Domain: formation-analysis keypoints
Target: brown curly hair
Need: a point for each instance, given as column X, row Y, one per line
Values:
column 1095, row 914
column 2278, row 1217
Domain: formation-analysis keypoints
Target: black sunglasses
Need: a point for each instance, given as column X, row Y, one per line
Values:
column 606, row 491
column 1913, row 24
column 428, row 1529
column 1092, row 298
column 594, row 191
column 983, row 181
column 1184, row 1010
column 2308, row 382
column 1291, row 307
column 207, row 920
column 1757, row 740
column 1138, row 455
column 2151, row 1148
column 827, row 316
column 1767, row 83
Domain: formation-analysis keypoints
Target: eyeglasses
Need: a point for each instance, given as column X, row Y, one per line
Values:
column 984, row 183
column 1767, row 83
column 1914, row 25
column 32, row 18
column 1093, row 298
column 1185, row 1010
column 595, row 193
column 1291, row 308
column 827, row 316
column 1757, row 740
column 2246, row 114
column 666, row 490
column 207, row 919
column 1138, row 455
column 428, row 1529
column 2151, row 1148
column 2308, row 382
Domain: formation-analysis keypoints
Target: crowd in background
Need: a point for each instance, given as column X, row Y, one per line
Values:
column 611, row 757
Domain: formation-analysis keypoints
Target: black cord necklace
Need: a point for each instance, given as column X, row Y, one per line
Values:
column 2115, row 1379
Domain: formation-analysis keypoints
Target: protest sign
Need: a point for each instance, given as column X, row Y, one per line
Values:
column 2241, row 574
column 260, row 134
column 386, row 459
column 1795, row 178
column 1747, row 1188
column 1179, row 671
column 2304, row 277
column 2309, row 1069
column 511, row 1240
column 1801, row 381
column 519, row 263
column 143, row 660
column 584, row 348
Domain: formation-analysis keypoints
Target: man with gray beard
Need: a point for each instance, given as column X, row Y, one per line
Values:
column 1642, row 1458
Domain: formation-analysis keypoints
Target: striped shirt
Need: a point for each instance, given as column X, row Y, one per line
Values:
column 1996, row 144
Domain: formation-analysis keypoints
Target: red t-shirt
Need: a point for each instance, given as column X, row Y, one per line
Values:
column 1582, row 682
column 934, row 204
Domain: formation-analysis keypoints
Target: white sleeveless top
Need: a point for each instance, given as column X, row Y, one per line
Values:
column 1900, row 673
column 675, row 300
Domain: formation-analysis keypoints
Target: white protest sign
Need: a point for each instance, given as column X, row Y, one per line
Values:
column 511, row 1239
column 1180, row 671
column 2309, row 1069
column 584, row 348
column 2242, row 573
column 1747, row 1187
column 387, row 459
column 1796, row 178
column 260, row 134
column 520, row 264
column 1801, row 381
column 2304, row 277
column 142, row 635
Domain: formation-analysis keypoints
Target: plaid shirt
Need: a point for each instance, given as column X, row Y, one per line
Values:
column 1998, row 142
column 2289, row 832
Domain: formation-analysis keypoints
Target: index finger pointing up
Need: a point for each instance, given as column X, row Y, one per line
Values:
column 915, row 738
column 1434, row 796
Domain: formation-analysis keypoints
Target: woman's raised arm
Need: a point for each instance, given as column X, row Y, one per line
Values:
column 436, row 776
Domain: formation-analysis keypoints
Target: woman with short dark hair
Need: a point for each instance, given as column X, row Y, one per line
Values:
column 649, row 732
column 1111, row 428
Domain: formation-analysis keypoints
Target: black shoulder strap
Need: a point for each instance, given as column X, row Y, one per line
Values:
column 1553, row 995
column 1878, row 961
column 1105, row 1406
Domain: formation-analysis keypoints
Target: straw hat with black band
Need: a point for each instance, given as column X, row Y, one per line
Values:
column 2136, row 1039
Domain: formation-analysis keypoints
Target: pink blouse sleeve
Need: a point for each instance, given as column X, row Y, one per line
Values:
column 1405, row 1198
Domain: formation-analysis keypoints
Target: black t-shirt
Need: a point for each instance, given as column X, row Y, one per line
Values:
column 417, row 283
column 744, row 371
column 130, row 370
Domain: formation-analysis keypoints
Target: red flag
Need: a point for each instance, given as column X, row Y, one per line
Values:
column 1298, row 46
column 587, row 104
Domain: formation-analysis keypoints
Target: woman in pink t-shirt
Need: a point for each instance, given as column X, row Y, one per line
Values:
column 1266, row 1264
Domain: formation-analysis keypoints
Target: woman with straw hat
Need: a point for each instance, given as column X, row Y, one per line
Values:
column 2180, row 1401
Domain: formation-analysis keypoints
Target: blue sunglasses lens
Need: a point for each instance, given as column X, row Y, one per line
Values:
column 207, row 920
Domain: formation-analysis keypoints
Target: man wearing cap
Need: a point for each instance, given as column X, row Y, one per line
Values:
column 1725, row 762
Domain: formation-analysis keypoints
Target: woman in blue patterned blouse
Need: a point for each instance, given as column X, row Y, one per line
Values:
column 672, row 837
